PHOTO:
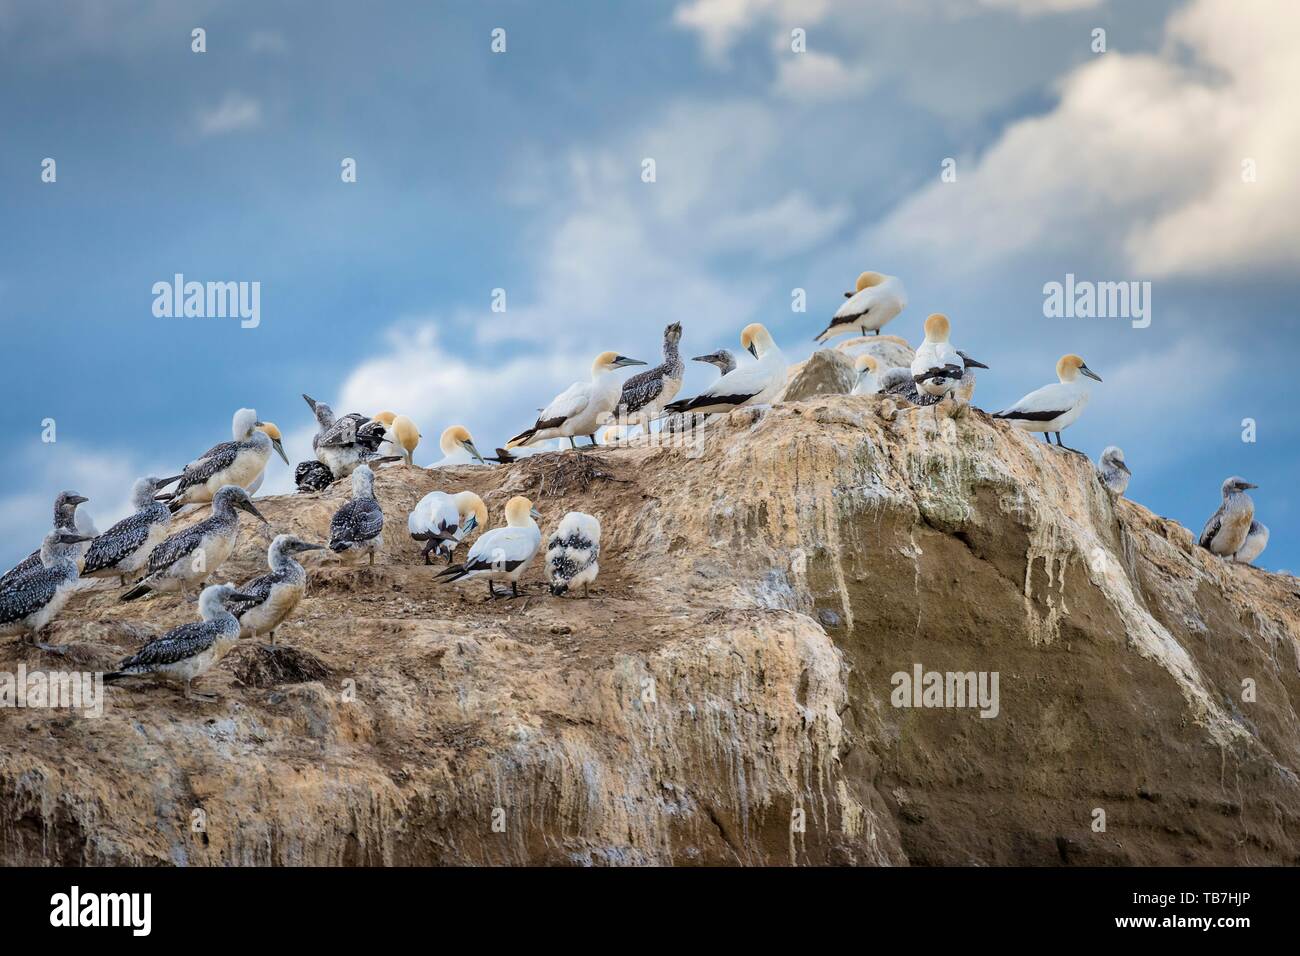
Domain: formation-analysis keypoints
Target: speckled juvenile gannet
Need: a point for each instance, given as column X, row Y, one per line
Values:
column 964, row 390
column 937, row 366
column 270, row 598
column 1054, row 408
column 124, row 548
column 502, row 554
column 357, row 528
column 573, row 553
column 237, row 462
column 878, row 299
column 31, row 601
column 866, row 366
column 312, row 476
column 582, row 407
column 189, row 556
column 187, row 652
column 1256, row 542
column 646, row 393
column 757, row 383
column 442, row 521
column 65, row 519
column 457, row 448
column 722, row 360
column 1113, row 470
column 1226, row 531
column 343, row 443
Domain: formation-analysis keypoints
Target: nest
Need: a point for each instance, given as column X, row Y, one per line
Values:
column 269, row 665
column 560, row 473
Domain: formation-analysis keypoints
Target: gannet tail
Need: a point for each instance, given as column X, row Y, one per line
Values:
column 139, row 591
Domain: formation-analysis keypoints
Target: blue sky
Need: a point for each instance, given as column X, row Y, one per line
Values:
column 521, row 171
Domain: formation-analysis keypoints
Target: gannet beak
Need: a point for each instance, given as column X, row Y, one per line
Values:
column 753, row 350
column 239, row 596
column 386, row 459
column 76, row 499
column 471, row 523
column 308, row 546
column 1123, row 467
column 703, row 358
column 469, row 447
column 848, row 295
column 310, row 401
column 1090, row 373
column 280, row 448
column 252, row 510
column 622, row 360
column 970, row 361
column 1244, row 484
column 537, row 515
column 73, row 538
column 164, row 482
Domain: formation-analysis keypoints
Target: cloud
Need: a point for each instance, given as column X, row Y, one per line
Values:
column 1039, row 7
column 720, row 23
column 812, row 75
column 235, row 112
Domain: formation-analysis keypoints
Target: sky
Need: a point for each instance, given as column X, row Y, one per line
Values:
column 1166, row 158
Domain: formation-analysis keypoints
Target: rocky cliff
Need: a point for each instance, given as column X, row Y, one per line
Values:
column 727, row 693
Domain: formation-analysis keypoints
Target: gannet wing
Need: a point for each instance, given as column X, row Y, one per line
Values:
column 176, row 645
column 24, row 567
column 200, row 470
column 259, row 589
column 501, row 549
column 118, row 542
column 28, row 595
column 1211, row 528
column 176, row 547
column 564, row 406
column 735, row 388
column 642, row 389
column 358, row 520
column 1041, row 405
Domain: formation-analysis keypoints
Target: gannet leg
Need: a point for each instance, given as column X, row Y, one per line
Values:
column 514, row 589
column 571, row 442
column 372, row 559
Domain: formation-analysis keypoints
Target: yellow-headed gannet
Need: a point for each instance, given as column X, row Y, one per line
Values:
column 457, row 448
column 65, row 519
column 124, row 548
column 573, row 553
column 357, row 528
column 237, row 462
column 866, row 366
column 937, row 365
column 646, row 393
column 877, row 301
column 32, row 600
column 402, row 437
column 1053, row 408
column 1256, row 542
column 1226, row 532
column 268, row 599
column 1113, row 470
column 502, row 554
column 189, row 651
column 189, row 556
column 442, row 521
column 756, row 383
column 582, row 407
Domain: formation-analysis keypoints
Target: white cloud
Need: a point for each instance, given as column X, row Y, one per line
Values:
column 235, row 112
column 1039, row 7
column 720, row 23
column 813, row 75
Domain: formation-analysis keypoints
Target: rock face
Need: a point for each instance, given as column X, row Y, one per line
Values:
column 727, row 693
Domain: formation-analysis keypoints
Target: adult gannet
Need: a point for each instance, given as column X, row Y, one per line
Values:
column 189, row 651
column 342, row 444
column 124, row 548
column 722, row 360
column 1113, row 470
column 1226, row 532
column 268, row 599
column 937, row 366
column 866, row 366
column 1054, row 408
column 442, row 521
column 899, row 383
column 457, row 448
column 31, row 601
column 646, row 393
column 65, row 519
column 582, row 407
column 502, row 554
column 189, row 556
column 1256, row 542
column 237, row 462
column 357, row 528
column 757, row 383
column 877, row 301
column 573, row 553
column 401, row 438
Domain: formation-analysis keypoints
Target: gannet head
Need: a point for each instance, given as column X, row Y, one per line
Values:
column 143, row 490
column 61, row 543
column 385, row 417
column 611, row 434
column 756, row 340
column 243, row 423
column 213, row 599
column 1236, row 485
column 866, row 280
column 1114, row 457
column 65, row 508
column 520, row 512
column 406, row 433
column 937, row 327
column 230, row 497
column 272, row 431
column 324, row 414
column 471, row 509
column 866, row 363
column 457, row 438
column 1070, row 367
column 722, row 359
column 286, row 544
column 673, row 334
column 608, row 361
column 363, row 482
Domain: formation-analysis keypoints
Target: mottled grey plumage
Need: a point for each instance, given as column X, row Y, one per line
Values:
column 341, row 444
column 115, row 548
column 1113, row 470
column 269, row 598
column 722, row 359
column 573, row 553
column 647, row 392
column 312, row 476
column 358, row 525
column 31, row 601
column 901, row 383
column 65, row 519
column 1226, row 531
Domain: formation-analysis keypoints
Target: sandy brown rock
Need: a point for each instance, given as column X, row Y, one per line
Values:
column 826, row 372
column 724, row 695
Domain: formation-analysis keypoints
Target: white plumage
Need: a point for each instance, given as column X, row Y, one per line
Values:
column 573, row 553
column 1256, row 542
column 877, row 300
column 937, row 366
column 582, row 407
column 1054, row 408
column 502, row 554
column 442, row 521
column 755, row 383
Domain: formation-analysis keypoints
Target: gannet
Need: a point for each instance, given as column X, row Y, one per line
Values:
column 312, row 476
column 722, row 360
column 189, row 556
column 457, row 448
column 866, row 366
column 937, row 366
column 877, row 301
column 612, row 434
column 964, row 390
column 757, row 383
column 573, row 553
column 501, row 554
column 357, row 528
column 237, row 462
column 32, row 600
column 1054, row 408
column 1256, row 542
column 189, row 651
column 268, row 599
column 899, row 383
column 646, row 393
column 124, row 548
column 442, row 521
column 1113, row 470
column 401, row 438
column 1226, row 532
column 342, row 444
column 65, row 519
column 582, row 407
